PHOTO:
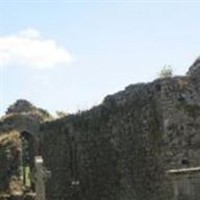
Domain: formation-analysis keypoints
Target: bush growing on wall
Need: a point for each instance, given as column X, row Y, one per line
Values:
column 166, row 72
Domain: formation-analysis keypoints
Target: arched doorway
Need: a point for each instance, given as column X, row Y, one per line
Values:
column 28, row 153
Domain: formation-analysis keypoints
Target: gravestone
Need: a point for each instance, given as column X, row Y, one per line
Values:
column 41, row 175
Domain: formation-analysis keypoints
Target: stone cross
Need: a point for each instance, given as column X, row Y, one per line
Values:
column 41, row 175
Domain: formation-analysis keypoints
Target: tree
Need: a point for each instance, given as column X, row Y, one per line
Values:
column 166, row 72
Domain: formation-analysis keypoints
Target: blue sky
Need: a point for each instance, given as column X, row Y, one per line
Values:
column 68, row 55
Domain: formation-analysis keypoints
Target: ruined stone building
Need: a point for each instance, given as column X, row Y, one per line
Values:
column 121, row 149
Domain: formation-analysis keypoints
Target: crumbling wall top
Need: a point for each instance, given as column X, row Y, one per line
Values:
column 194, row 70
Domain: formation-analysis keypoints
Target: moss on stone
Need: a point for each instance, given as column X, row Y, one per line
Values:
column 193, row 110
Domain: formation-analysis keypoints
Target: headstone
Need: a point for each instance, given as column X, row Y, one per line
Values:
column 41, row 175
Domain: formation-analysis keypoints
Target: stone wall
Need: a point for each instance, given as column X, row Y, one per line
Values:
column 122, row 148
column 19, row 117
column 118, row 147
column 10, row 150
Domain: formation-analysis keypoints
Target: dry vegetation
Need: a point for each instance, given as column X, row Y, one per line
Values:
column 10, row 148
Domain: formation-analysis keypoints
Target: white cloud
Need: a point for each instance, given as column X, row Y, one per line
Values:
column 29, row 48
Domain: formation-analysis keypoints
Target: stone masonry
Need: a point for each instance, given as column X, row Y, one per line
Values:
column 122, row 149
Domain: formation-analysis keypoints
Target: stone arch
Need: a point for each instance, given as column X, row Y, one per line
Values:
column 29, row 151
